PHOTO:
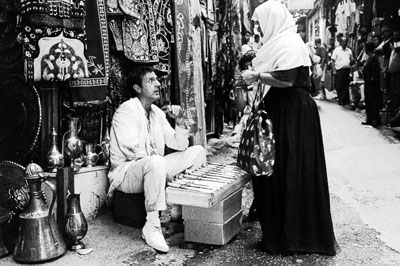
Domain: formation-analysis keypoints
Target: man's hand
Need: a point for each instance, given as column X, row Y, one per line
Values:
column 175, row 112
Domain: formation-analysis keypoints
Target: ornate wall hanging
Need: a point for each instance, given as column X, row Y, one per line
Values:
column 59, row 58
column 164, row 33
column 52, row 18
column 139, row 33
column 93, row 87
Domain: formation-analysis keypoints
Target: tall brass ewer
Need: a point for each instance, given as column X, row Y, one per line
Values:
column 39, row 238
column 75, row 223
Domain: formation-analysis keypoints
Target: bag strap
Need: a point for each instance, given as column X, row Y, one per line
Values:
column 260, row 88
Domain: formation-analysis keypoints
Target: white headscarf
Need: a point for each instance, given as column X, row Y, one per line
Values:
column 282, row 48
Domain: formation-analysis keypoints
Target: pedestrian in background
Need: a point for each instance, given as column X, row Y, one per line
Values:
column 394, row 70
column 320, row 69
column 246, row 43
column 372, row 90
column 293, row 204
column 356, row 89
column 342, row 59
column 384, row 49
column 257, row 42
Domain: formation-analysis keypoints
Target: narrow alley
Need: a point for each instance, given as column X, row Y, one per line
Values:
column 363, row 175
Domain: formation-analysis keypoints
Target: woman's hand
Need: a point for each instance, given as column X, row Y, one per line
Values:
column 249, row 76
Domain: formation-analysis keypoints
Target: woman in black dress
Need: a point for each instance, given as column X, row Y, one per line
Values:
column 293, row 204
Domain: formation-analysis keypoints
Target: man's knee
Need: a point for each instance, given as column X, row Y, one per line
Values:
column 156, row 161
column 198, row 150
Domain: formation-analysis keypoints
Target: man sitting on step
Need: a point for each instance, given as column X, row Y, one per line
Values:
column 139, row 133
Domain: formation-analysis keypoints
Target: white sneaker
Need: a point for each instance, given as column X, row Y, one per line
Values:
column 319, row 97
column 153, row 237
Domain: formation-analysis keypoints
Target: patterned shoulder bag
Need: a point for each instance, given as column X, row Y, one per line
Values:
column 256, row 153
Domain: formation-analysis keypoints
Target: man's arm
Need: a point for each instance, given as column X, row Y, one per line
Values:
column 324, row 56
column 352, row 60
column 178, row 138
column 126, row 128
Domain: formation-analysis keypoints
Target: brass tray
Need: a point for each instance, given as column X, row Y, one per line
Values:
column 20, row 118
column 14, row 191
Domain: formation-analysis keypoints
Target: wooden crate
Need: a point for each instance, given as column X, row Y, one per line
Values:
column 213, row 233
column 207, row 199
column 220, row 213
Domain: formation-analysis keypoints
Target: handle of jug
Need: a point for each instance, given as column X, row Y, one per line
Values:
column 53, row 188
column 100, row 148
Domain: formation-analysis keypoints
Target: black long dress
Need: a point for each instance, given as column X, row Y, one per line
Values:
column 293, row 204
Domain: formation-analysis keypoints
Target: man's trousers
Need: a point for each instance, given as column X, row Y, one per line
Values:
column 149, row 174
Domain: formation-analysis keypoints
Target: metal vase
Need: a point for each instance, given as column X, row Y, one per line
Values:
column 54, row 158
column 72, row 145
column 75, row 223
column 39, row 238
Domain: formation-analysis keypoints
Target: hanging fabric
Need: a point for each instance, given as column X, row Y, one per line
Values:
column 93, row 86
column 10, row 50
column 139, row 32
column 188, row 43
column 147, row 32
column 115, row 17
column 246, row 15
column 210, row 11
column 213, row 44
column 164, row 33
column 115, row 25
column 52, row 37
column 59, row 58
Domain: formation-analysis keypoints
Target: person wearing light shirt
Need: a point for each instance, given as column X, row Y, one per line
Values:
column 342, row 59
column 139, row 133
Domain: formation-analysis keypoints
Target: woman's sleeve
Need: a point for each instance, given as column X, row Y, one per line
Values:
column 286, row 75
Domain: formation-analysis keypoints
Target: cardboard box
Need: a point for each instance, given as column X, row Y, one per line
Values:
column 213, row 233
column 220, row 213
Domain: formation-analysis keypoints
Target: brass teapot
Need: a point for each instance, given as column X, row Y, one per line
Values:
column 92, row 157
column 39, row 238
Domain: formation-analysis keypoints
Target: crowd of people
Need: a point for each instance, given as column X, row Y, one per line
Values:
column 365, row 76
